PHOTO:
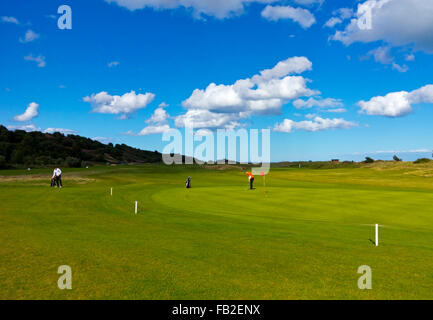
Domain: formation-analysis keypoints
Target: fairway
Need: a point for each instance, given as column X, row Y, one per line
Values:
column 304, row 239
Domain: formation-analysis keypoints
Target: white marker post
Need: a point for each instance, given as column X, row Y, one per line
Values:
column 136, row 203
column 111, row 191
column 377, row 235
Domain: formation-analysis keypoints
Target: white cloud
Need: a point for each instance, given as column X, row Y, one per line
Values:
column 10, row 20
column 382, row 55
column 214, row 8
column 317, row 124
column 61, row 130
column 302, row 16
column 29, row 36
column 158, row 116
column 202, row 119
column 263, row 93
column 113, row 64
column 344, row 13
column 163, row 105
column 222, row 106
column 339, row 16
column 336, row 110
column 154, row 129
column 27, row 127
column 40, row 60
column 399, row 68
column 321, row 103
column 333, row 22
column 158, row 122
column 30, row 113
column 397, row 104
column 410, row 57
column 124, row 105
column 396, row 22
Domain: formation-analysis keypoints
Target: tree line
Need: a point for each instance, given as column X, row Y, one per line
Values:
column 20, row 148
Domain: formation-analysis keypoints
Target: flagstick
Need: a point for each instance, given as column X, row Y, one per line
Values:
column 264, row 184
column 377, row 235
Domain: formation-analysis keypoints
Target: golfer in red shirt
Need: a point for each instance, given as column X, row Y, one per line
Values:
column 251, row 179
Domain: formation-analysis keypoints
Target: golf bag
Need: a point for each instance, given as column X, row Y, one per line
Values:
column 53, row 182
column 188, row 183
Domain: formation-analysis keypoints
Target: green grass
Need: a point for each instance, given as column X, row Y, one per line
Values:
column 304, row 240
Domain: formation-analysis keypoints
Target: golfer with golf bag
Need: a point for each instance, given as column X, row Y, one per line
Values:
column 56, row 179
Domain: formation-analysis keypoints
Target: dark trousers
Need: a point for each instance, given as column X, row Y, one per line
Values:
column 251, row 183
column 59, row 181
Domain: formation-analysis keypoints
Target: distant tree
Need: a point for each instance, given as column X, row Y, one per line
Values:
column 397, row 158
column 2, row 162
column 368, row 160
column 73, row 162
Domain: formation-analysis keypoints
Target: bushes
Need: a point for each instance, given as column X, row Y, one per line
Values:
column 3, row 163
column 73, row 162
column 422, row 160
column 368, row 160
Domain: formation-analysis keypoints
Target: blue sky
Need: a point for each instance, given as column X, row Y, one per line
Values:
column 129, row 68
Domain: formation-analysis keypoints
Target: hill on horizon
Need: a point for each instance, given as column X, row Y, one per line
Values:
column 18, row 148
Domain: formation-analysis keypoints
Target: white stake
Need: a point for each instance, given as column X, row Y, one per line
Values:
column 377, row 234
column 135, row 207
column 111, row 191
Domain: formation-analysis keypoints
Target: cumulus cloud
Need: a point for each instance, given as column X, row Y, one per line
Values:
column 123, row 105
column 217, row 9
column 154, row 129
column 396, row 22
column 29, row 36
column 321, row 103
column 302, row 16
column 317, row 124
column 40, row 60
column 397, row 104
column 30, row 113
column 158, row 116
column 222, row 106
column 158, row 122
column 202, row 119
column 264, row 92
column 10, row 20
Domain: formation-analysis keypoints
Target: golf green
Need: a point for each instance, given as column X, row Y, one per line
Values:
column 304, row 238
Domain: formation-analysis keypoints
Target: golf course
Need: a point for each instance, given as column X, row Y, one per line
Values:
column 304, row 236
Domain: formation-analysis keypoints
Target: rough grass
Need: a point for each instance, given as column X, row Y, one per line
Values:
column 304, row 239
